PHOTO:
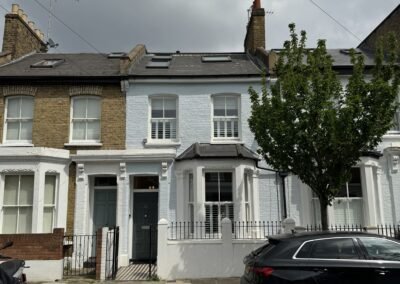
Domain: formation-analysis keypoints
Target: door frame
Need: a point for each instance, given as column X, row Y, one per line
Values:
column 92, row 190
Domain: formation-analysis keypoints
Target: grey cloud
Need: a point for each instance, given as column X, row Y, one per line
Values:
column 199, row 25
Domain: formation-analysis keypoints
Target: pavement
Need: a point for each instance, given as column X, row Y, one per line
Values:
column 191, row 281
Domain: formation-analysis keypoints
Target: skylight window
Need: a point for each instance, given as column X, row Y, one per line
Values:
column 47, row 63
column 216, row 59
column 158, row 64
column 161, row 58
column 159, row 61
column 117, row 55
column 348, row 51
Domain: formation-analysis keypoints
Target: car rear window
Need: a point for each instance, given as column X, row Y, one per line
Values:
column 381, row 249
column 337, row 248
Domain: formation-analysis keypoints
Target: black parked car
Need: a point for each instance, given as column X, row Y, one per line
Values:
column 324, row 257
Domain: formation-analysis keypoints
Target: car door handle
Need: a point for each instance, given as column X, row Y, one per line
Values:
column 320, row 270
column 381, row 271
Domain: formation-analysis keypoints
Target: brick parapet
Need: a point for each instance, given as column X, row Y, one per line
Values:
column 34, row 246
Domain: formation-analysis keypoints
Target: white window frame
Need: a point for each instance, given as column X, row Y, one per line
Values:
column 17, row 205
column 226, row 119
column 163, row 119
column 219, row 203
column 347, row 199
column 20, row 119
column 54, row 205
column 71, row 132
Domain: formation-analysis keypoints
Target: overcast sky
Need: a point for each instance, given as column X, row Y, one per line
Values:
column 198, row 25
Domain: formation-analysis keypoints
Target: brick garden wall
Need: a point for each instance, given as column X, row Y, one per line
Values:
column 35, row 246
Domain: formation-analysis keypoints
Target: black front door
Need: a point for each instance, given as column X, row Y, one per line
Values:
column 145, row 218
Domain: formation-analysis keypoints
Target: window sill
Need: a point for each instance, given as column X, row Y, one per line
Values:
column 9, row 144
column 83, row 144
column 392, row 134
column 158, row 144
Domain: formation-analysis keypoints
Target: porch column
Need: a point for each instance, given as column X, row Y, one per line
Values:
column 256, row 195
column 368, row 191
column 123, row 215
column 38, row 200
column 199, row 209
column 180, row 197
column 81, row 225
column 238, row 194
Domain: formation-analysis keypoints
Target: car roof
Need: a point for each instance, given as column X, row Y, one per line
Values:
column 296, row 236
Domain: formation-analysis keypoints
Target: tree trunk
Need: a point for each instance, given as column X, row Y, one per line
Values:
column 324, row 214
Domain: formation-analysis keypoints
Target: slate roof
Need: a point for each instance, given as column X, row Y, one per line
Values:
column 191, row 65
column 342, row 59
column 74, row 65
column 217, row 151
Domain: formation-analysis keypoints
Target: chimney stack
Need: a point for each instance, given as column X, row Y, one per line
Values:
column 21, row 37
column 255, row 36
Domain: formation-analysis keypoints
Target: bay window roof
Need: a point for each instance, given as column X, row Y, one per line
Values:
column 217, row 151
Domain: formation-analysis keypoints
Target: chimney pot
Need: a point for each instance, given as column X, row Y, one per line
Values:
column 20, row 12
column 257, row 4
column 25, row 17
column 31, row 25
column 41, row 35
column 14, row 8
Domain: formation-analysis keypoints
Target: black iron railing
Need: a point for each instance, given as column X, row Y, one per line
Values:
column 389, row 230
column 255, row 229
column 197, row 230
column 343, row 228
column 79, row 255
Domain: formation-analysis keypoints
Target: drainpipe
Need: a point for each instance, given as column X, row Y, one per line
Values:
column 283, row 175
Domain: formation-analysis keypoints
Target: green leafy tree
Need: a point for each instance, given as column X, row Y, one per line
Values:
column 311, row 126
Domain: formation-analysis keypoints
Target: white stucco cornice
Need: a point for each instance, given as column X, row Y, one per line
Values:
column 139, row 155
column 196, row 80
column 33, row 153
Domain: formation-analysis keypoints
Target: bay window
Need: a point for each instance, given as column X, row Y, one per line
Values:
column 17, row 204
column 225, row 117
column 347, row 205
column 18, row 119
column 163, row 118
column 85, row 121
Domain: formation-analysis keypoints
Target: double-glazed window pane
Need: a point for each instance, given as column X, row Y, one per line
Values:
column 86, row 119
column 49, row 202
column 19, row 118
column 218, row 187
column 226, row 117
column 17, row 203
column 163, row 118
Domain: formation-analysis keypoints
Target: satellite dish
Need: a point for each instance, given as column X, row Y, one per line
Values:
column 51, row 43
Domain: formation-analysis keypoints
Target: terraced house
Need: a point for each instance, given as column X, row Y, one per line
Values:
column 147, row 140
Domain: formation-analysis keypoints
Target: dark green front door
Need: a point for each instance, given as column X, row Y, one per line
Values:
column 104, row 208
column 145, row 218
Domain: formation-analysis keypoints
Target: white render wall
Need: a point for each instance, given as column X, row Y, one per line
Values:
column 194, row 110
